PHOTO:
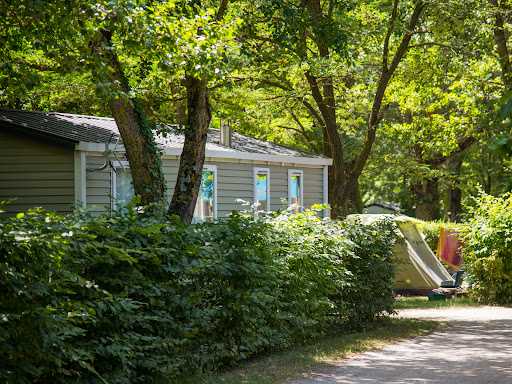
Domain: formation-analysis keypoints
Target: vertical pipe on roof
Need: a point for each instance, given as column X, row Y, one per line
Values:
column 226, row 134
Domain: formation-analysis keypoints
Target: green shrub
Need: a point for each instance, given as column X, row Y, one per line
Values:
column 94, row 300
column 488, row 256
column 432, row 229
column 339, row 273
column 126, row 298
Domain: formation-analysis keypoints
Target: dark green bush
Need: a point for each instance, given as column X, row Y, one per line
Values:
column 338, row 273
column 126, row 298
column 488, row 256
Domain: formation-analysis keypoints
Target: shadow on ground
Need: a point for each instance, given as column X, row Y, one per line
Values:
column 475, row 350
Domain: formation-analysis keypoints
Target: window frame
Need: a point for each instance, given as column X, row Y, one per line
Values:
column 255, row 172
column 209, row 168
column 296, row 172
column 113, row 181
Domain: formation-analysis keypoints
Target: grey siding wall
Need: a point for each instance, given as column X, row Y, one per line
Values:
column 36, row 175
column 234, row 181
column 97, row 184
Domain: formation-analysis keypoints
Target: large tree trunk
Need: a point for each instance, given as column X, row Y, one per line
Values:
column 322, row 90
column 426, row 194
column 184, row 200
column 455, row 193
column 199, row 115
column 343, row 186
column 137, row 135
column 327, row 107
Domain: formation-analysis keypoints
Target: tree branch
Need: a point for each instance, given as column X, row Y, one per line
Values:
column 303, row 131
column 385, row 51
column 312, row 111
column 222, row 10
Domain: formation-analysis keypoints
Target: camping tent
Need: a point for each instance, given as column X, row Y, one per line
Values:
column 418, row 270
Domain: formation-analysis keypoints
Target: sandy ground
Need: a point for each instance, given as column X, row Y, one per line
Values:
column 476, row 348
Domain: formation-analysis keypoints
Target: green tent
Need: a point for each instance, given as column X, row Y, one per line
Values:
column 419, row 270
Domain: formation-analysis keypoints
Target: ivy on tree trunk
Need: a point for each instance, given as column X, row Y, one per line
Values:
column 137, row 135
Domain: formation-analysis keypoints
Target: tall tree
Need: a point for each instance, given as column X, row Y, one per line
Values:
column 199, row 115
column 106, row 40
column 86, row 34
column 306, row 44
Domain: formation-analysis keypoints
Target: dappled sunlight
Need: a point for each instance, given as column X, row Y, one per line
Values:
column 477, row 349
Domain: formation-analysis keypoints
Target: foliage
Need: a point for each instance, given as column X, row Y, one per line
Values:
column 128, row 298
column 431, row 231
column 488, row 256
column 338, row 264
column 317, row 355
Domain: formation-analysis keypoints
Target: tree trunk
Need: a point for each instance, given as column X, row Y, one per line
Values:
column 386, row 74
column 455, row 193
column 501, row 42
column 138, row 139
column 426, row 194
column 184, row 200
column 326, row 104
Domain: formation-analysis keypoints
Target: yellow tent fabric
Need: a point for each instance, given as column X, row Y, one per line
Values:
column 418, row 268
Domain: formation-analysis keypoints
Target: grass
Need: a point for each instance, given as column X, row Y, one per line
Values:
column 422, row 302
column 318, row 355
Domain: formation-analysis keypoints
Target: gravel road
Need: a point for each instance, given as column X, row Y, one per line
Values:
column 476, row 348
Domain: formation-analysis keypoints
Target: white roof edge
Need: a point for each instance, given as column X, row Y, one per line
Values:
column 235, row 155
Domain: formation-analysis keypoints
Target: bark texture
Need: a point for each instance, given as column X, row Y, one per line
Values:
column 184, row 200
column 500, row 7
column 376, row 111
column 137, row 136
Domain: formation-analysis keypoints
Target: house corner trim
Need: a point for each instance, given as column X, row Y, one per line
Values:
column 80, row 179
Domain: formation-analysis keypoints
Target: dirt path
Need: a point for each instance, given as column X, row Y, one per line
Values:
column 475, row 349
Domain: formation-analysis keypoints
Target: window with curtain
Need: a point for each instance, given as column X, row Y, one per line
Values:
column 122, row 186
column 206, row 207
column 262, row 188
column 295, row 189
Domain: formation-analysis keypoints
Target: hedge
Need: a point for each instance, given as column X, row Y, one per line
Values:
column 488, row 256
column 127, row 298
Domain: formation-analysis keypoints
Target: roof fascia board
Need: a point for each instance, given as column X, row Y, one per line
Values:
column 90, row 147
column 236, row 155
column 229, row 155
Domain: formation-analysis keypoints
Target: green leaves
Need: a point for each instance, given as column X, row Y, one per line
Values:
column 130, row 298
column 488, row 256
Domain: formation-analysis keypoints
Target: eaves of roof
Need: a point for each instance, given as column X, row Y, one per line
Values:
column 222, row 154
column 92, row 133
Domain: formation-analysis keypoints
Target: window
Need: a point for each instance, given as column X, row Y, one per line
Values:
column 122, row 186
column 295, row 189
column 206, row 207
column 261, row 182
